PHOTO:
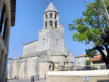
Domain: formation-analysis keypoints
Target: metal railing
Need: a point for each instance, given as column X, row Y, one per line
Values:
column 88, row 67
column 77, row 68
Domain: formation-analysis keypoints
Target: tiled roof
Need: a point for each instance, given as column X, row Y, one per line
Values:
column 96, row 58
column 83, row 55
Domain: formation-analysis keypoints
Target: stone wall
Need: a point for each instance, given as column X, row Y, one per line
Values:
column 79, row 76
column 5, row 12
column 31, row 48
column 23, row 68
column 49, row 47
column 52, row 38
column 48, row 39
column 43, row 68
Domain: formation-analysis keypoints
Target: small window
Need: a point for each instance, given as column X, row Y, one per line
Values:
column 50, row 15
column 4, row 24
column 102, row 67
column 55, row 16
column 51, row 23
column 56, row 24
column 46, row 16
column 43, row 41
column 45, row 23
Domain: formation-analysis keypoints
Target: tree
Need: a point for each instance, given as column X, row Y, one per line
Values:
column 93, row 26
column 10, row 59
column 88, row 62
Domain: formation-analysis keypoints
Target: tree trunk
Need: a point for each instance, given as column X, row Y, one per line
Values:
column 107, row 62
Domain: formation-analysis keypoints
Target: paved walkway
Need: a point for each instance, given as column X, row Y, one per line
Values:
column 25, row 80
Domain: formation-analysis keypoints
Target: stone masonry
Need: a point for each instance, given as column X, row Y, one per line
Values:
column 47, row 53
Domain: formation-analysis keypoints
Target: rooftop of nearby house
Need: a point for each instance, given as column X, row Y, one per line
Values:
column 83, row 55
column 96, row 58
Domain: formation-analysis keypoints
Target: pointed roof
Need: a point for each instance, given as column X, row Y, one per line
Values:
column 51, row 7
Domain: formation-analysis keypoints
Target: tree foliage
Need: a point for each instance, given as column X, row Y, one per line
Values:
column 107, row 4
column 93, row 26
column 10, row 59
column 88, row 62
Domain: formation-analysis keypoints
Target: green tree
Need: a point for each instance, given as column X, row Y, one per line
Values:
column 88, row 62
column 93, row 26
column 10, row 59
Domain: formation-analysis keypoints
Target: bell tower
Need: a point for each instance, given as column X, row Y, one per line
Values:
column 51, row 37
column 51, row 17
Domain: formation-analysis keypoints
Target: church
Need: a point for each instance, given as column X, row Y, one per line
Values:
column 48, row 53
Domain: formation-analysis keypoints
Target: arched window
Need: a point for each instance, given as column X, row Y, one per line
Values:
column 56, row 24
column 43, row 41
column 50, row 67
column 50, row 15
column 51, row 23
column 45, row 24
column 55, row 16
column 46, row 16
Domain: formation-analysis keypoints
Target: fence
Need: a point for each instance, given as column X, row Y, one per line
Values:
column 95, row 67
column 85, row 67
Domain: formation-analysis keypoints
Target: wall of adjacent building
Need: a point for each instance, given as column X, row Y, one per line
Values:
column 5, row 23
column 80, row 61
column 100, row 65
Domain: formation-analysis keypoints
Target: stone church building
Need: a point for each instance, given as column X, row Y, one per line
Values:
column 48, row 53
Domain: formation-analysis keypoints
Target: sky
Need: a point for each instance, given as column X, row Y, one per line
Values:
column 29, row 20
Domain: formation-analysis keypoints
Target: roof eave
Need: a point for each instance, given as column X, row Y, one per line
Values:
column 13, row 12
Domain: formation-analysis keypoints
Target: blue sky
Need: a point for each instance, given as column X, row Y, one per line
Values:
column 29, row 20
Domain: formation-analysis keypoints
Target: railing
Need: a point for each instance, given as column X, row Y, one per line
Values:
column 86, row 67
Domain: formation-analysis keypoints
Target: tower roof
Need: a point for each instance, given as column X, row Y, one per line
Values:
column 51, row 7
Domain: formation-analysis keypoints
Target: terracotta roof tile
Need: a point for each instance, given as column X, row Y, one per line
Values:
column 96, row 58
column 83, row 55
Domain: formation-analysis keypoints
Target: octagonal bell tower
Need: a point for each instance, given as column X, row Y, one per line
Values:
column 51, row 17
column 51, row 37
